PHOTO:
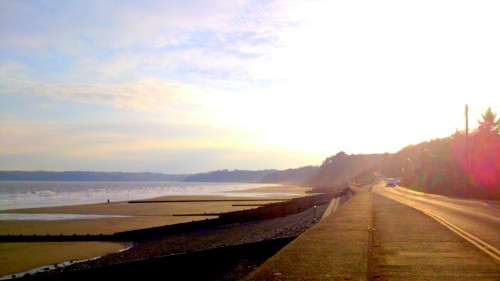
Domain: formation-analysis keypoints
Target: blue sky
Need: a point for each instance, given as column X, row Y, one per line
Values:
column 190, row 86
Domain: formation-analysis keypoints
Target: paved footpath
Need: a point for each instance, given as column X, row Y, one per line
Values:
column 371, row 237
column 334, row 249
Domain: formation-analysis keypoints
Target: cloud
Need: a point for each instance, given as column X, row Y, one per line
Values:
column 133, row 146
column 145, row 95
column 113, row 137
column 152, row 24
column 148, row 56
column 12, row 71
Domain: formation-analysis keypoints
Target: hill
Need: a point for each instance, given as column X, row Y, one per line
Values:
column 229, row 176
column 290, row 176
column 333, row 171
column 86, row 176
column 344, row 167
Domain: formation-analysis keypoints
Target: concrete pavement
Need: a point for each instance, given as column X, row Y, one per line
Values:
column 336, row 248
column 371, row 237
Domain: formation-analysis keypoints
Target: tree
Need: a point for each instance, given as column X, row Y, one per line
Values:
column 490, row 125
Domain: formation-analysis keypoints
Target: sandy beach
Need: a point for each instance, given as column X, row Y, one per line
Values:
column 140, row 216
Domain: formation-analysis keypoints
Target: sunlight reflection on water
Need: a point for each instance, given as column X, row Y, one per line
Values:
column 19, row 195
column 52, row 217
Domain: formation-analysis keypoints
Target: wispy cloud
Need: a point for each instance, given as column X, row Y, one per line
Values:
column 146, row 95
column 118, row 25
column 129, row 146
column 88, row 52
column 112, row 137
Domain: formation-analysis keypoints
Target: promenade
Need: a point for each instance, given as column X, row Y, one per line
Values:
column 336, row 248
column 371, row 237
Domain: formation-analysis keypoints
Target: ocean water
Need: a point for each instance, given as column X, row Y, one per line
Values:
column 19, row 195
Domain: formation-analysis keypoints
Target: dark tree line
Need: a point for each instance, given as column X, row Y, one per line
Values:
column 440, row 165
column 437, row 166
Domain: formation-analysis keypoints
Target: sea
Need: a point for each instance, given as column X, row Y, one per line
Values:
column 34, row 194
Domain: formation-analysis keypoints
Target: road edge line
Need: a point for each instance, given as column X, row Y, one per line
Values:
column 467, row 236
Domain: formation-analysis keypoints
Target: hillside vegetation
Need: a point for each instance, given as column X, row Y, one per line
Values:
column 438, row 166
column 343, row 167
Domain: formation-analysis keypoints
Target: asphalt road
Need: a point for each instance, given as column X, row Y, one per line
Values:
column 476, row 221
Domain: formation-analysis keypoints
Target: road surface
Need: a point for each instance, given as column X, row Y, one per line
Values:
column 476, row 221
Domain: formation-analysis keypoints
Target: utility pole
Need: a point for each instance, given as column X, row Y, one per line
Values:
column 423, row 181
column 422, row 166
column 422, row 163
column 408, row 160
column 467, row 161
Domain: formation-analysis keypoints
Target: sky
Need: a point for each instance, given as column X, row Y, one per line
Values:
column 194, row 86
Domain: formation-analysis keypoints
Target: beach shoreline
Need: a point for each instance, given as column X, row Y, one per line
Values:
column 141, row 216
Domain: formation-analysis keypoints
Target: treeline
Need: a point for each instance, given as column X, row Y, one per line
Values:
column 440, row 166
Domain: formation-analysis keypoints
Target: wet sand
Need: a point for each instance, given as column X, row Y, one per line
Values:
column 19, row 257
column 141, row 216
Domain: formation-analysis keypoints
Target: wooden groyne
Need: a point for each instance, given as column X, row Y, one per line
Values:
column 198, row 215
column 56, row 238
column 205, row 201
column 248, row 205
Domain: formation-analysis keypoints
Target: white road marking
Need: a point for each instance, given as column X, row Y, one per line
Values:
column 482, row 245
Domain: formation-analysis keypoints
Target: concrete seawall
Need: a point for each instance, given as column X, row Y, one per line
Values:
column 213, row 264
